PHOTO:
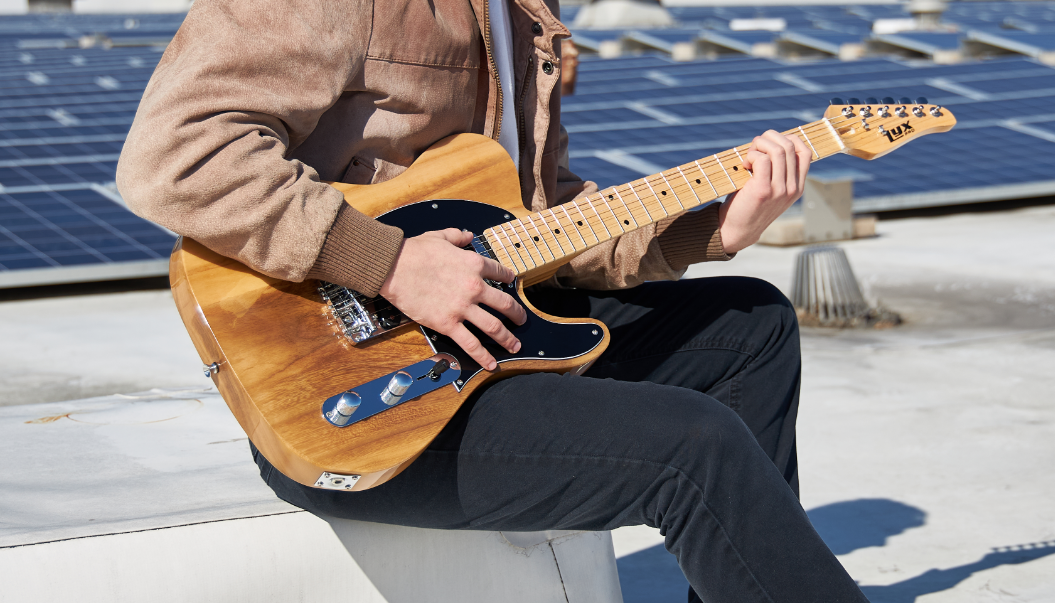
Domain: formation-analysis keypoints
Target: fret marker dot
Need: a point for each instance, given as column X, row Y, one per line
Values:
column 536, row 239
column 556, row 230
column 610, row 197
column 735, row 168
column 697, row 181
column 663, row 192
column 517, row 245
column 627, row 222
column 579, row 222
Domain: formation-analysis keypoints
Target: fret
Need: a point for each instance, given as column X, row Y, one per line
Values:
column 515, row 250
column 578, row 206
column 562, row 229
column 676, row 198
column 615, row 211
column 611, row 211
column 691, row 187
column 598, row 217
column 627, row 207
column 553, row 232
column 496, row 244
column 572, row 222
column 653, row 191
column 816, row 155
column 541, row 236
column 704, row 172
column 731, row 181
column 642, row 202
column 529, row 244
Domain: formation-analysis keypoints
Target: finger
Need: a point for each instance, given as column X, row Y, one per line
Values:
column 496, row 272
column 492, row 327
column 762, row 170
column 791, row 161
column 778, row 160
column 460, row 238
column 472, row 346
column 504, row 303
column 805, row 158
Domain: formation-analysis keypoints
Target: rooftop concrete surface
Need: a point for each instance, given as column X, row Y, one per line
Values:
column 926, row 450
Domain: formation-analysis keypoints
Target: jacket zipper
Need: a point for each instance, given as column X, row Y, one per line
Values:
column 521, row 118
column 494, row 69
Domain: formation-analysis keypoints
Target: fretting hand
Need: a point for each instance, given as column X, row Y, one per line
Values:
column 438, row 284
column 778, row 166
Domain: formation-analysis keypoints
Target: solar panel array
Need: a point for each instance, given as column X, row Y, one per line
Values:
column 635, row 116
column 64, row 114
column 70, row 85
column 967, row 29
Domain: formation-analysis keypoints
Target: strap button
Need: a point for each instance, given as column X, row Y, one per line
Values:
column 536, row 28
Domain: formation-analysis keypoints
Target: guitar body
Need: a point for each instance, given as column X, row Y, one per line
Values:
column 279, row 353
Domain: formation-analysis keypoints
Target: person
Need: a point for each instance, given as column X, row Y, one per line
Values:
column 686, row 423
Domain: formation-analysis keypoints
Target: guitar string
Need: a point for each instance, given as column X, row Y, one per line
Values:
column 814, row 128
column 819, row 125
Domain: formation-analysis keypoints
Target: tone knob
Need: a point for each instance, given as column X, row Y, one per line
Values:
column 397, row 386
column 342, row 411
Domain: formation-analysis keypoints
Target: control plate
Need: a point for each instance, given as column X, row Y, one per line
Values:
column 370, row 392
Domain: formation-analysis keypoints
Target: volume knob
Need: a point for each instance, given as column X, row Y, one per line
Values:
column 397, row 386
column 342, row 411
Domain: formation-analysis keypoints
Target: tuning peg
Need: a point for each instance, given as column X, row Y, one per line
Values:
column 871, row 100
column 921, row 100
column 853, row 101
column 836, row 101
column 887, row 100
column 904, row 100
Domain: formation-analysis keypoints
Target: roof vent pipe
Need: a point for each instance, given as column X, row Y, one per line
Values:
column 927, row 13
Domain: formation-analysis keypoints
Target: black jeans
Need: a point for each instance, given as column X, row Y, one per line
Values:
column 686, row 423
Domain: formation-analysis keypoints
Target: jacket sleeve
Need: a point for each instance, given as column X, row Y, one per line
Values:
column 241, row 84
column 660, row 251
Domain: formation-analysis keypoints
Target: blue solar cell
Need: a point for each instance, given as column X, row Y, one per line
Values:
column 72, row 228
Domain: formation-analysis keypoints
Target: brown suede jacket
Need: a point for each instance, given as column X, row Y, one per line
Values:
column 254, row 104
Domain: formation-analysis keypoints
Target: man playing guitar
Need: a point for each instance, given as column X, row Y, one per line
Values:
column 687, row 421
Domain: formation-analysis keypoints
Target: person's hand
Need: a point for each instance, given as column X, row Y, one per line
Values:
column 439, row 285
column 778, row 166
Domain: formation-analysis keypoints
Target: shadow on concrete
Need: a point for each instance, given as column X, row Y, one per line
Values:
column 856, row 524
column 651, row 575
column 937, row 580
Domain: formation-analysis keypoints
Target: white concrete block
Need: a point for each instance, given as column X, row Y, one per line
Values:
column 154, row 497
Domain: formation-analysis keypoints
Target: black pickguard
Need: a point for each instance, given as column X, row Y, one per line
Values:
column 540, row 339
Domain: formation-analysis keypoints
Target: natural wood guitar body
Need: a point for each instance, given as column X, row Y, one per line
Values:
column 280, row 355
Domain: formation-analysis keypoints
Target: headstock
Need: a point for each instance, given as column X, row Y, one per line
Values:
column 874, row 128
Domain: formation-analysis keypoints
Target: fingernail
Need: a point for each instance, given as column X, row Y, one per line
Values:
column 492, row 365
column 516, row 346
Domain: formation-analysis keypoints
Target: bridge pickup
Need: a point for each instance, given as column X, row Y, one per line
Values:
column 359, row 317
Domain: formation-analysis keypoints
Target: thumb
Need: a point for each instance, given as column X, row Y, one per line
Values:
column 460, row 238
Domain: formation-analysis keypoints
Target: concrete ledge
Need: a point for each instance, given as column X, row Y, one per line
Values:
column 154, row 497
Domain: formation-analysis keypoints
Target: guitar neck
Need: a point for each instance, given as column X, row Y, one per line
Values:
column 543, row 240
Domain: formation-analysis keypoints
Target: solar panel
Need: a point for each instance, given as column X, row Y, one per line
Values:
column 75, row 228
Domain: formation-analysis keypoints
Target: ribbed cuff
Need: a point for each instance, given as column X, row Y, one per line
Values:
column 691, row 238
column 358, row 253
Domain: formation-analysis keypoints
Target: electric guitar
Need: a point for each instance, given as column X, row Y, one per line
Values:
column 340, row 391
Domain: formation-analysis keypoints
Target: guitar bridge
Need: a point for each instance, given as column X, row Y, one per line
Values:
column 360, row 318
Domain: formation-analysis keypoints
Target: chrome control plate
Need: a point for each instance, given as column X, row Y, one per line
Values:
column 372, row 393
